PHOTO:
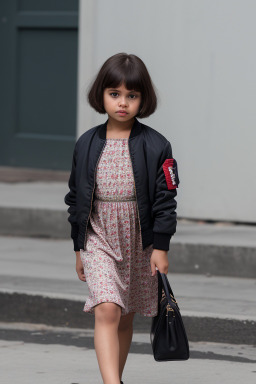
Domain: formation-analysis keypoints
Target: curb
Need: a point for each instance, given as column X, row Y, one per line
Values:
column 217, row 260
column 38, row 309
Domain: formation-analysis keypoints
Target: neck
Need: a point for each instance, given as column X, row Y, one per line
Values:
column 116, row 126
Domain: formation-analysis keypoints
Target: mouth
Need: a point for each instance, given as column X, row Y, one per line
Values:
column 122, row 113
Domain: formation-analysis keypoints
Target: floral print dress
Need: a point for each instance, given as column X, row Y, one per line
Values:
column 116, row 267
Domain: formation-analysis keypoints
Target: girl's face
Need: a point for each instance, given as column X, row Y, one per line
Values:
column 120, row 103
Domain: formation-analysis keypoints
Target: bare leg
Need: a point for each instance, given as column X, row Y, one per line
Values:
column 106, row 342
column 125, row 332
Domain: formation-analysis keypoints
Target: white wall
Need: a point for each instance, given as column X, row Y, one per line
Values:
column 202, row 59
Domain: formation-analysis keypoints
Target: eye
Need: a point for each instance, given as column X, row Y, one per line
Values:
column 133, row 96
column 113, row 94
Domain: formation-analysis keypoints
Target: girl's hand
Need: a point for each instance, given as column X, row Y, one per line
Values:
column 159, row 259
column 80, row 267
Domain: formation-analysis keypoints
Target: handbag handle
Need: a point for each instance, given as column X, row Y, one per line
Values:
column 167, row 289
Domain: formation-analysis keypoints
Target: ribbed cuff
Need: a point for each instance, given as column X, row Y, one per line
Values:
column 161, row 241
column 74, row 236
column 76, row 248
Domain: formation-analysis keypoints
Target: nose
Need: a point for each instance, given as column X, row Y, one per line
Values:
column 122, row 101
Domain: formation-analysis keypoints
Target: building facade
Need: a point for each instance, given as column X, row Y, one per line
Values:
column 201, row 57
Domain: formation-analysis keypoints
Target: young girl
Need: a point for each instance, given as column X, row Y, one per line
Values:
column 122, row 208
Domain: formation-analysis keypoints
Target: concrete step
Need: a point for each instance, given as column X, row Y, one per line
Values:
column 37, row 209
column 39, row 284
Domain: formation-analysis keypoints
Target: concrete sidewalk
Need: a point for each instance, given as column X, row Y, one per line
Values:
column 38, row 283
column 60, row 361
column 37, row 209
column 39, row 363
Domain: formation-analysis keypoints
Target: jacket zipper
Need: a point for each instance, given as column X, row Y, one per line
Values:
column 136, row 195
column 85, row 236
column 137, row 205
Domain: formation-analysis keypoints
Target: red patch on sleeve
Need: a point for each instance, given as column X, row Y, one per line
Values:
column 171, row 173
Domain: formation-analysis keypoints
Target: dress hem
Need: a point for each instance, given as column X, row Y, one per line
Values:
column 91, row 310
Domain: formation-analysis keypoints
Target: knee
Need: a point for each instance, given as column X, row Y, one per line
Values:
column 107, row 313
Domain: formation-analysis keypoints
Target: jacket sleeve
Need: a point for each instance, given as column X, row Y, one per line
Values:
column 164, row 206
column 70, row 200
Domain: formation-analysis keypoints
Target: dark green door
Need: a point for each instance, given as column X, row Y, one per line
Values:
column 38, row 74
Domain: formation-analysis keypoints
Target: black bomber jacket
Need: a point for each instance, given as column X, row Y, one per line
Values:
column 155, row 179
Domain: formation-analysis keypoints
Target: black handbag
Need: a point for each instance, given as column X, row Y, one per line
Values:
column 168, row 335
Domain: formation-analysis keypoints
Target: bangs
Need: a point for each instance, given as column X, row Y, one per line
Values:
column 126, row 74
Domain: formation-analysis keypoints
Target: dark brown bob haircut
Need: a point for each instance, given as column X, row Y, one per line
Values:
column 127, row 69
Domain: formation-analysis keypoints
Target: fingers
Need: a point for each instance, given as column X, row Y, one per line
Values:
column 163, row 269
column 80, row 273
column 81, row 276
column 153, row 269
column 80, row 267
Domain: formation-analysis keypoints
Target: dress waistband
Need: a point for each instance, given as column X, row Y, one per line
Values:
column 116, row 199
